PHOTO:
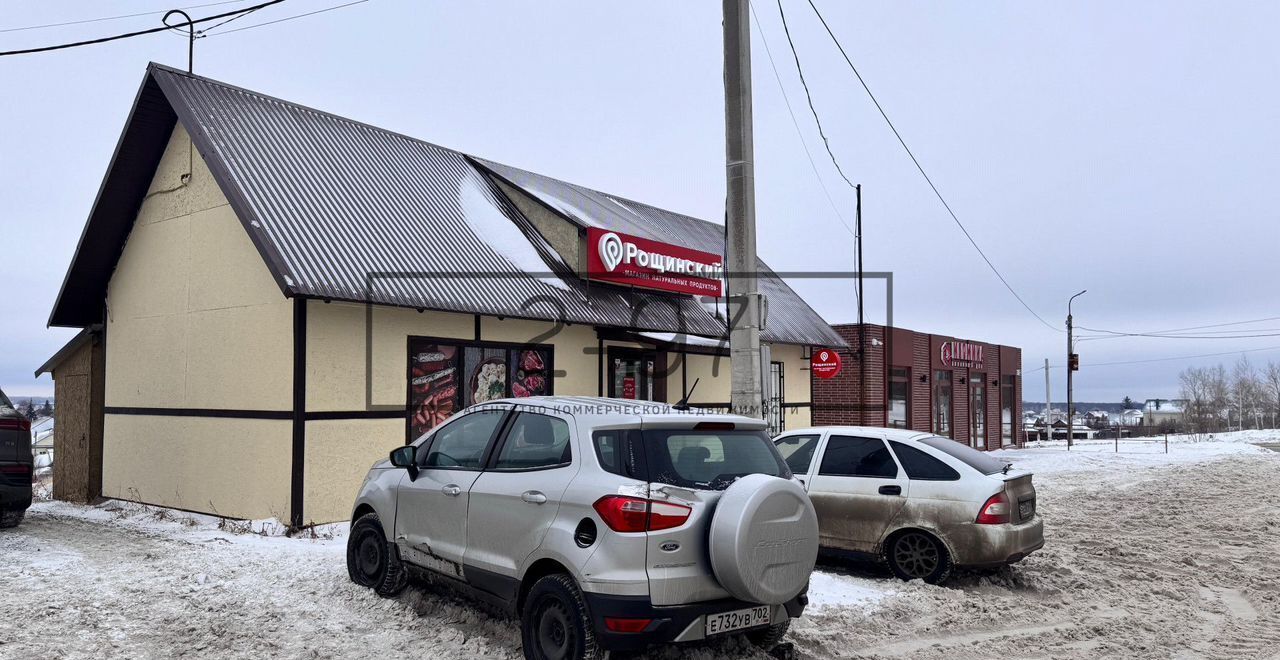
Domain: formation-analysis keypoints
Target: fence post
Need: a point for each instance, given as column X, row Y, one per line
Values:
column 1166, row 443
column 1117, row 440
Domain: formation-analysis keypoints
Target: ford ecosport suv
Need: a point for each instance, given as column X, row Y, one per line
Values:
column 601, row 523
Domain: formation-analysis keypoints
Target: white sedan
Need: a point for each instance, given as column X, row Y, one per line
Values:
column 919, row 502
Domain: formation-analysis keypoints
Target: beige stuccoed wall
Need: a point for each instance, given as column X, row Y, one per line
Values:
column 574, row 346
column 230, row 467
column 195, row 320
column 712, row 374
column 337, row 350
column 339, row 453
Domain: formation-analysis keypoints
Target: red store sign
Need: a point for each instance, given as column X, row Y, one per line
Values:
column 640, row 262
column 961, row 354
column 825, row 363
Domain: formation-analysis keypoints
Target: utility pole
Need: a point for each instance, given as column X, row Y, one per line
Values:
column 747, row 393
column 1072, row 365
column 1048, row 404
column 862, row 328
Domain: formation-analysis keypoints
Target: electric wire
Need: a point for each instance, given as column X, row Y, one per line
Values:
column 799, row 133
column 1159, row 359
column 796, row 123
column 809, row 97
column 1175, row 333
column 925, row 174
column 286, row 18
column 100, row 40
column 113, row 18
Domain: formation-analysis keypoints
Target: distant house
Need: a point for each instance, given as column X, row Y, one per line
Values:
column 42, row 439
column 1097, row 418
column 1160, row 412
column 1131, row 417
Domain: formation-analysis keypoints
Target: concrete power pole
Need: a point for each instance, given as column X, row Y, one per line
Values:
column 747, row 396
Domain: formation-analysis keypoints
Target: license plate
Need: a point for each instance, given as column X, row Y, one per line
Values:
column 1026, row 509
column 737, row 620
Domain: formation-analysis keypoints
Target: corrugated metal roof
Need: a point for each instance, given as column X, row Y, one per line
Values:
column 346, row 211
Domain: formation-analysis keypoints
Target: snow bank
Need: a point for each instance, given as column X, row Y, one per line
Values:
column 1046, row 458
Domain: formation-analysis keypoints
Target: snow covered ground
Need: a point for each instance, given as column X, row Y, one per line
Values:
column 1148, row 555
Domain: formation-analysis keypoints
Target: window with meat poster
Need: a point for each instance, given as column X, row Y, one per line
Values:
column 447, row 377
column 433, row 386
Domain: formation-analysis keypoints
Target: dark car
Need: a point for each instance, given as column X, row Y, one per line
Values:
column 15, row 463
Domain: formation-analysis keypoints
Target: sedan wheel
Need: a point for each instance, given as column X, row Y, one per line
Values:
column 919, row 556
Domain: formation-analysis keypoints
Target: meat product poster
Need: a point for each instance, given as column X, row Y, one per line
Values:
column 444, row 378
column 433, row 385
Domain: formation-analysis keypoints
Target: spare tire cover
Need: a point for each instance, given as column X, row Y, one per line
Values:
column 764, row 539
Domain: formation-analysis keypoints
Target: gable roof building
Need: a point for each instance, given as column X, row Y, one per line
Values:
column 282, row 295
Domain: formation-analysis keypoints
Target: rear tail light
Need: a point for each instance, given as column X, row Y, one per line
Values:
column 20, row 470
column 634, row 514
column 617, row 625
column 10, row 424
column 666, row 516
column 995, row 511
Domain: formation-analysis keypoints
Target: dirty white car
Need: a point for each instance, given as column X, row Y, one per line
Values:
column 919, row 502
column 601, row 523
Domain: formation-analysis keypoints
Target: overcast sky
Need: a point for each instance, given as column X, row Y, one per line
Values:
column 1130, row 149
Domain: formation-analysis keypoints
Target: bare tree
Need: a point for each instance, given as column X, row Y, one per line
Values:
column 1219, row 392
column 1200, row 412
column 1246, row 392
column 1271, row 385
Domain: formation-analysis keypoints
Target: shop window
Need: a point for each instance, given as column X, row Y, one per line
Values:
column 978, row 411
column 899, row 398
column 942, row 402
column 1007, row 390
column 848, row 456
column 445, row 377
column 631, row 374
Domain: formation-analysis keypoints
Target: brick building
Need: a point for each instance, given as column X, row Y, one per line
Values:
column 924, row 382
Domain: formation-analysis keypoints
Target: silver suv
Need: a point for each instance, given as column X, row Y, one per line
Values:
column 601, row 523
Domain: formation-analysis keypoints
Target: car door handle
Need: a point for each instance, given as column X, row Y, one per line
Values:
column 452, row 490
column 891, row 490
column 533, row 497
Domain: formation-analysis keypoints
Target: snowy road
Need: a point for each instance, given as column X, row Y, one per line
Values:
column 1147, row 556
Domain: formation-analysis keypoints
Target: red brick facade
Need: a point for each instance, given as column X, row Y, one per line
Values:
column 845, row 400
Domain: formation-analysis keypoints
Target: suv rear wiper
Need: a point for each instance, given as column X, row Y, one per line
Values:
column 1007, row 467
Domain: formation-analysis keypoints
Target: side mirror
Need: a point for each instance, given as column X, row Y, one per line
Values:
column 406, row 457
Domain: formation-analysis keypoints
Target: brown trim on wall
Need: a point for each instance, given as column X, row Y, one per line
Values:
column 325, row 415
column 298, row 453
column 199, row 412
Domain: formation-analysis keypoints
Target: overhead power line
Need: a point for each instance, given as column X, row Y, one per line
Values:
column 1180, row 333
column 286, row 18
column 809, row 97
column 127, row 35
column 786, row 99
column 1160, row 359
column 114, row 18
column 925, row 174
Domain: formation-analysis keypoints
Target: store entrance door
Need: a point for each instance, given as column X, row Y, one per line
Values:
column 631, row 374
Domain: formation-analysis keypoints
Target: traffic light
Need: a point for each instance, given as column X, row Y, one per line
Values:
column 1074, row 362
